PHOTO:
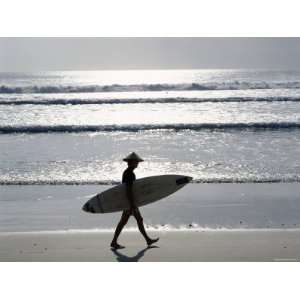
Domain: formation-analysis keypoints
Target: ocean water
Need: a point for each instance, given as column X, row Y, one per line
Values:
column 219, row 126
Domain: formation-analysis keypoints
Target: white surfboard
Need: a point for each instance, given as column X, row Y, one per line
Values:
column 145, row 190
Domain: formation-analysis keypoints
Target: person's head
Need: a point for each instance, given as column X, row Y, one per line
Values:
column 133, row 160
column 133, row 163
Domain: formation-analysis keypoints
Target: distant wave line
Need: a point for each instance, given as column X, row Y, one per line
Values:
column 147, row 100
column 142, row 127
column 210, row 86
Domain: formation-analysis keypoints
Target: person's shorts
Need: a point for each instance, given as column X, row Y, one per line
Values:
column 130, row 212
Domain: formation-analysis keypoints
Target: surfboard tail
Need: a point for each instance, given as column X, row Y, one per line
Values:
column 88, row 208
column 184, row 180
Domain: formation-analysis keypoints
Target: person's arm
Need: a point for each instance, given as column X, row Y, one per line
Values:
column 130, row 197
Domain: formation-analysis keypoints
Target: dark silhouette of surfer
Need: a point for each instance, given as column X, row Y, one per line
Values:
column 128, row 178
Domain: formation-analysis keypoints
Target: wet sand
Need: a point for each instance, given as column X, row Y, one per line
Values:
column 174, row 246
column 214, row 206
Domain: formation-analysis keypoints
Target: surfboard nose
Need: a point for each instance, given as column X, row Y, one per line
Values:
column 184, row 180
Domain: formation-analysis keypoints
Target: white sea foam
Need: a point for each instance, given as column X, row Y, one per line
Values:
column 158, row 228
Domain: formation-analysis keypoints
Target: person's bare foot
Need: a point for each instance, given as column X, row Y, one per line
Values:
column 116, row 246
column 152, row 241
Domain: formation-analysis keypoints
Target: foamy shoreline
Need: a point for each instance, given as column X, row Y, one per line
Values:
column 149, row 229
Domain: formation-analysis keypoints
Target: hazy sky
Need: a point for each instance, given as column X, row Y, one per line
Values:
column 25, row 54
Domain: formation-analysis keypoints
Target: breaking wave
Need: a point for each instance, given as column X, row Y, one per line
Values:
column 141, row 127
column 146, row 100
column 234, row 85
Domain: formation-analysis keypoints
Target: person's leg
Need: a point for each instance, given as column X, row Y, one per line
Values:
column 120, row 226
column 140, row 223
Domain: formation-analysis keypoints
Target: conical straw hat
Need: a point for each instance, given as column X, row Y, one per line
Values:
column 133, row 156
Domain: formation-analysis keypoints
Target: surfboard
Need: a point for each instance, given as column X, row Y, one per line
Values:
column 145, row 191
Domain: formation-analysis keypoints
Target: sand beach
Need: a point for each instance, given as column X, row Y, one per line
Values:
column 183, row 246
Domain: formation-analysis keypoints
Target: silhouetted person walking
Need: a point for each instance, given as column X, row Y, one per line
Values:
column 128, row 178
